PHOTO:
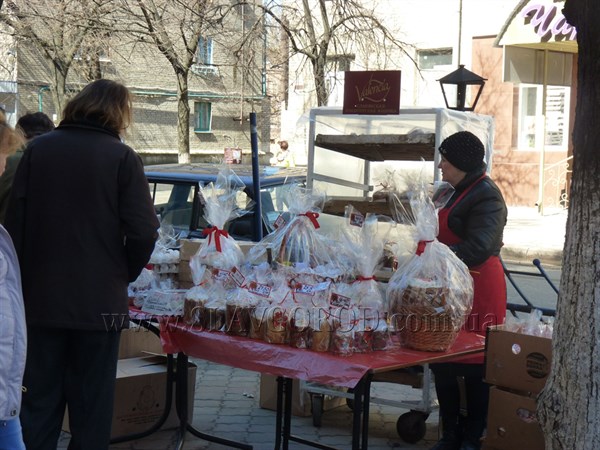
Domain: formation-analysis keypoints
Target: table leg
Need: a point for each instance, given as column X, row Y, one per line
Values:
column 287, row 411
column 357, row 412
column 181, row 405
column 366, row 386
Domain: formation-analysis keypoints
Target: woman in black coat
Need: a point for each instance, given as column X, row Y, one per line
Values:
column 84, row 226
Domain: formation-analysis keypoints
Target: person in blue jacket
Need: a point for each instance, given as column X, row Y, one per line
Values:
column 13, row 334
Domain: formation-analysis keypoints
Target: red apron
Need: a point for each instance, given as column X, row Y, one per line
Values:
column 489, row 299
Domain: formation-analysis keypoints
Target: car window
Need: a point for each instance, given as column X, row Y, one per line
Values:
column 274, row 203
column 173, row 203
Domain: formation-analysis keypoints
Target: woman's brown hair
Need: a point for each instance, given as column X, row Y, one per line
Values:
column 103, row 101
column 10, row 140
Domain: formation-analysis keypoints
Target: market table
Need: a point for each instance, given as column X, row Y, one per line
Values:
column 287, row 363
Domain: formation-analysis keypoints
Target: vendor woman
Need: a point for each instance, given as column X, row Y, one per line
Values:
column 471, row 224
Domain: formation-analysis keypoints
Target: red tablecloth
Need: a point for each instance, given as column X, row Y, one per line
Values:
column 282, row 360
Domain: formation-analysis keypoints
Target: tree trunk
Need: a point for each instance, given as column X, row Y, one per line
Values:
column 59, row 91
column 183, row 118
column 569, row 406
column 319, row 77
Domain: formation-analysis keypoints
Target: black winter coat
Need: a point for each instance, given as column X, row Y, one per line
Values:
column 478, row 219
column 83, row 224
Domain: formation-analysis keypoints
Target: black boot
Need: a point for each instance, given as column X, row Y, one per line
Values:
column 473, row 431
column 451, row 435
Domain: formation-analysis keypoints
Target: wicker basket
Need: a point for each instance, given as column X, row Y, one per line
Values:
column 423, row 328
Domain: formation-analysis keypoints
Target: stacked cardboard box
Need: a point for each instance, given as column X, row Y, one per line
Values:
column 301, row 400
column 517, row 365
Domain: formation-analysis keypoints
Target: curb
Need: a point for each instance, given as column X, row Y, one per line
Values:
column 548, row 258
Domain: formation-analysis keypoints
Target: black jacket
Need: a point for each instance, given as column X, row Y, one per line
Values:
column 478, row 219
column 83, row 224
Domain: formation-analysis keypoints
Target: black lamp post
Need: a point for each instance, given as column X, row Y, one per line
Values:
column 461, row 78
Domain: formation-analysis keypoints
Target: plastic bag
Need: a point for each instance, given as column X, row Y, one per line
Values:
column 430, row 298
column 365, row 243
column 295, row 242
column 219, row 253
column 531, row 324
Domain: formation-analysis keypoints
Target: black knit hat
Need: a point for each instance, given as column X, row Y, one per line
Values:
column 463, row 150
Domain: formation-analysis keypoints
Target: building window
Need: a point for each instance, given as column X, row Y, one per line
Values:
column 202, row 117
column 204, row 54
column 430, row 58
column 532, row 135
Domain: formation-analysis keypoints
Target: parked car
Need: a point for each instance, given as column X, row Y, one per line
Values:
column 176, row 191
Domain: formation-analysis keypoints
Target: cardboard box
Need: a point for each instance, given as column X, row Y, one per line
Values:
column 138, row 341
column 300, row 404
column 140, row 394
column 512, row 422
column 189, row 247
column 517, row 361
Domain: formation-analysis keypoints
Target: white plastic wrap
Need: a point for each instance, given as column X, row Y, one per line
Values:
column 432, row 295
column 219, row 253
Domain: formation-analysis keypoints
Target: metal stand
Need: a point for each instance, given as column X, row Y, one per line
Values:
column 360, row 416
column 177, row 376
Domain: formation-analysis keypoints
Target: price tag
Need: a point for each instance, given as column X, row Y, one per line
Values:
column 259, row 289
column 322, row 286
column 237, row 277
column 307, row 289
column 357, row 219
column 220, row 274
column 340, row 301
column 279, row 222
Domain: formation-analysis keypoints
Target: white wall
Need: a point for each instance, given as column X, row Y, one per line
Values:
column 424, row 24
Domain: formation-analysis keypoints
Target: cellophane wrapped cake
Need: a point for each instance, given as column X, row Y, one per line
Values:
column 431, row 296
column 219, row 253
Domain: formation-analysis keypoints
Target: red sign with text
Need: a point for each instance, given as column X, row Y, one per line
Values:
column 372, row 92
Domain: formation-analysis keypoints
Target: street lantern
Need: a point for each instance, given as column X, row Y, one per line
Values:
column 461, row 78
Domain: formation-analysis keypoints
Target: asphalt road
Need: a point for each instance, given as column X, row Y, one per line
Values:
column 536, row 289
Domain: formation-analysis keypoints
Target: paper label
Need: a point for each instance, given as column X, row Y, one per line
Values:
column 259, row 289
column 220, row 274
column 322, row 286
column 308, row 289
column 162, row 306
column 357, row 219
column 340, row 301
column 279, row 222
column 237, row 277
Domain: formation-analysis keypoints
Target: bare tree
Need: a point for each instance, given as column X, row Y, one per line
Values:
column 174, row 27
column 61, row 31
column 177, row 27
column 332, row 32
column 569, row 406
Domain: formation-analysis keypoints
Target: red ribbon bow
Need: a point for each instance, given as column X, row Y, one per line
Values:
column 361, row 278
column 217, row 233
column 421, row 247
column 313, row 218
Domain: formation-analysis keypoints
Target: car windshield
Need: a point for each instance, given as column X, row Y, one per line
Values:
column 175, row 202
column 274, row 203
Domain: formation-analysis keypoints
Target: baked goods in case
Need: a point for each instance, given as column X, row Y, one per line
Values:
column 320, row 332
column 276, row 331
column 299, row 328
column 194, row 301
column 212, row 315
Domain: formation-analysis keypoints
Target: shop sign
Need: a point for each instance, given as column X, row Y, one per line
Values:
column 233, row 155
column 548, row 22
column 372, row 92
